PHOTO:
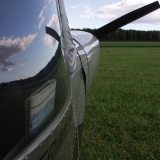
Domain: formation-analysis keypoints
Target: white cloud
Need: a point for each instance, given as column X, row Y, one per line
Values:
column 10, row 47
column 116, row 10
column 73, row 7
column 138, row 1
column 47, row 39
column 41, row 17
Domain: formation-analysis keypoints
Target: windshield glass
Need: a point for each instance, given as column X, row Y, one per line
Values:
column 34, row 84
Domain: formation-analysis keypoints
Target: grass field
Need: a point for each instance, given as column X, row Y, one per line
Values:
column 129, row 44
column 122, row 118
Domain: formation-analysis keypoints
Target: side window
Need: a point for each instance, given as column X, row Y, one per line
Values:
column 34, row 85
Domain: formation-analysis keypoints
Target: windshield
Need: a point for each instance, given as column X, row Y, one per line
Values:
column 34, row 84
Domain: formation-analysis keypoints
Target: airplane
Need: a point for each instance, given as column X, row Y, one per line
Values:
column 46, row 71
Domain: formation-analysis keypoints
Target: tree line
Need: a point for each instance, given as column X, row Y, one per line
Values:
column 128, row 35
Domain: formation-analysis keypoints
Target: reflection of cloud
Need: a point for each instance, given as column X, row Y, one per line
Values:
column 49, row 1
column 23, row 65
column 10, row 47
column 41, row 17
column 117, row 9
column 10, row 69
column 47, row 39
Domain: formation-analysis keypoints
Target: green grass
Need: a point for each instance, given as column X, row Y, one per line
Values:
column 129, row 44
column 122, row 118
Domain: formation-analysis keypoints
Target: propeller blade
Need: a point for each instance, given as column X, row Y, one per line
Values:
column 128, row 18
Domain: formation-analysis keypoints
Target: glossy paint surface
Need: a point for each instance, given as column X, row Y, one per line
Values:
column 88, row 41
column 90, row 45
column 86, row 71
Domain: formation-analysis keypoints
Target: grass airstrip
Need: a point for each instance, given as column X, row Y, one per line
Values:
column 122, row 118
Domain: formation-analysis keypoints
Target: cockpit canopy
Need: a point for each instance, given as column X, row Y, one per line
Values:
column 34, row 84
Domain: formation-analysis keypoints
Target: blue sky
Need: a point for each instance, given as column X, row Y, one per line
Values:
column 94, row 14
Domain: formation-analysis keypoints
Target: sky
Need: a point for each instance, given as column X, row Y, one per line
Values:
column 94, row 14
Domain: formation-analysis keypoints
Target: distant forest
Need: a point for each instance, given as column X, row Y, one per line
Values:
column 128, row 35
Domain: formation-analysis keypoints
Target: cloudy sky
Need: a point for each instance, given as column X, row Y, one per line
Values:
column 94, row 14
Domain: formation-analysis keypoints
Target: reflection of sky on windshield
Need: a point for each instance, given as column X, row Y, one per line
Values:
column 25, row 48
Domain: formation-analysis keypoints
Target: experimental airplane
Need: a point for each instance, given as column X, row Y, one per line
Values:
column 46, row 73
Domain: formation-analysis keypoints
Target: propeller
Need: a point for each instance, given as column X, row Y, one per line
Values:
column 128, row 18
